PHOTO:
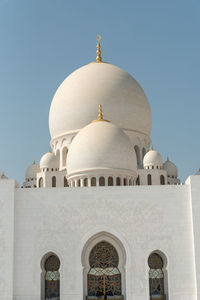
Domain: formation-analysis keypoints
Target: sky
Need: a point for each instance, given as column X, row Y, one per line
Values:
column 43, row 41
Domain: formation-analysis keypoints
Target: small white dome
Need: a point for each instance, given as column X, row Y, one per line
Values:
column 32, row 170
column 152, row 159
column 101, row 146
column 49, row 160
column 170, row 168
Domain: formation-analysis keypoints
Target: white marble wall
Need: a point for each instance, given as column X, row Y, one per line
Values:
column 141, row 218
column 7, row 193
column 193, row 183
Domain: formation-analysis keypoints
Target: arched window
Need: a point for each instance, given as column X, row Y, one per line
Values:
column 137, row 151
column 93, row 181
column 143, row 152
column 52, row 278
column 58, row 156
column 64, row 156
column 162, row 180
column 79, row 183
column 85, row 182
column 156, row 277
column 54, row 181
column 118, row 181
column 104, row 278
column 124, row 181
column 138, row 180
column 110, row 181
column 41, row 182
column 65, row 182
column 102, row 181
column 149, row 181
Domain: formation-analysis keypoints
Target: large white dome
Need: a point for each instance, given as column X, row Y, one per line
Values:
column 101, row 146
column 76, row 100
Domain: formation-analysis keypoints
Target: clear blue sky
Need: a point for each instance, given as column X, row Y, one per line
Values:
column 43, row 41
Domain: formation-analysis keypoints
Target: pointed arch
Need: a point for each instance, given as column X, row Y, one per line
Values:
column 93, row 181
column 89, row 245
column 64, row 156
column 41, row 182
column 118, row 181
column 104, row 277
column 137, row 151
column 58, row 156
column 102, row 181
column 158, row 279
column 149, row 179
column 143, row 152
column 110, row 181
column 53, row 181
column 162, row 180
column 50, row 277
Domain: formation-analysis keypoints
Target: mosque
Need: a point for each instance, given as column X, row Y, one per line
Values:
column 102, row 216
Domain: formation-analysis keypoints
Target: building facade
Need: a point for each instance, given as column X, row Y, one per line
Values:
column 101, row 217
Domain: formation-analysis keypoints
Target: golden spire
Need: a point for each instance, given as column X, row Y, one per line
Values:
column 49, row 149
column 152, row 148
column 98, row 58
column 100, row 115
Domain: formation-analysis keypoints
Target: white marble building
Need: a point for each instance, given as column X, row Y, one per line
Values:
column 101, row 217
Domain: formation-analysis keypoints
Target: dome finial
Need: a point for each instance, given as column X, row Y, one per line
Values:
column 49, row 149
column 98, row 58
column 152, row 148
column 34, row 162
column 100, row 115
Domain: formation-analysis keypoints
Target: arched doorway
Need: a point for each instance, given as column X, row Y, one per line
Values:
column 104, row 277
